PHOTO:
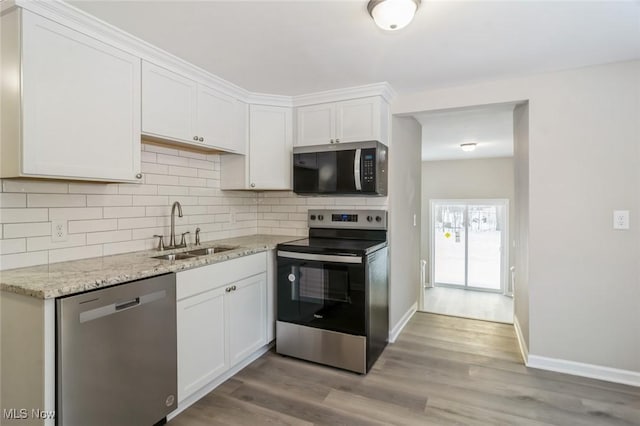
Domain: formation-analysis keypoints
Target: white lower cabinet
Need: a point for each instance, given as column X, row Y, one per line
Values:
column 221, row 319
column 201, row 335
column 246, row 307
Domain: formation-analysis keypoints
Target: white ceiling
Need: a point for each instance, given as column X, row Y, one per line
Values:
column 491, row 127
column 295, row 47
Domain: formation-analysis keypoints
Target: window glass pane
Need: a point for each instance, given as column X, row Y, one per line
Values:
column 486, row 224
column 449, row 238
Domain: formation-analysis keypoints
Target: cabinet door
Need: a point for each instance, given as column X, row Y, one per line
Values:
column 316, row 124
column 201, row 341
column 270, row 146
column 358, row 120
column 218, row 116
column 168, row 104
column 246, row 317
column 81, row 105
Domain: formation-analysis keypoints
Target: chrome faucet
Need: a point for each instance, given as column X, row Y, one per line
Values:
column 172, row 240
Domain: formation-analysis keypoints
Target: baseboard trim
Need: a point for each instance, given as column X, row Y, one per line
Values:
column 395, row 331
column 189, row 401
column 615, row 375
column 524, row 350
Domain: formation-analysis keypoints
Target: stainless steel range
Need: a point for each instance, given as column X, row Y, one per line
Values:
column 333, row 290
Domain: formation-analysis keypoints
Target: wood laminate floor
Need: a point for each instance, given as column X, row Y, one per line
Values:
column 441, row 371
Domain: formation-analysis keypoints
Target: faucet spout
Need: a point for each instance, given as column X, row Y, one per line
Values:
column 172, row 240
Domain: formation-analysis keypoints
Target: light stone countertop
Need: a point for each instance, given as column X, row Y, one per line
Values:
column 66, row 278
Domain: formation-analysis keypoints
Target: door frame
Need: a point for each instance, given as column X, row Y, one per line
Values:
column 504, row 255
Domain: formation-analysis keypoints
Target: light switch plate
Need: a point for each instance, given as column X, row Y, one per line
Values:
column 621, row 219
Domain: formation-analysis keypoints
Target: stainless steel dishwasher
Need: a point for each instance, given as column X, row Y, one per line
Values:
column 116, row 354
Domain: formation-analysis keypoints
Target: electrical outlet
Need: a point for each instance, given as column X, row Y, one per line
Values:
column 58, row 231
column 621, row 219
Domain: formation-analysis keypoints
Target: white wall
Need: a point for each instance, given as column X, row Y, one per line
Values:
column 106, row 219
column 404, row 240
column 584, row 162
column 459, row 179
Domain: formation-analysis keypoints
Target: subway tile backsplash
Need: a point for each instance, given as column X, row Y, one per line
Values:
column 105, row 219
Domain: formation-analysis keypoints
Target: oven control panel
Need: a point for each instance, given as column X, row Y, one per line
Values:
column 354, row 219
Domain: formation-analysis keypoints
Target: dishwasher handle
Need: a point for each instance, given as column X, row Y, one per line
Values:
column 127, row 304
column 114, row 308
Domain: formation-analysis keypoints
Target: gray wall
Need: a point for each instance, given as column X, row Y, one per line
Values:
column 584, row 162
column 404, row 202
column 520, row 252
column 481, row 178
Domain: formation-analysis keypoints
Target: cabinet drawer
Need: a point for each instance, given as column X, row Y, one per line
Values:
column 198, row 280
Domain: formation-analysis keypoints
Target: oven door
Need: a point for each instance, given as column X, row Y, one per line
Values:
column 322, row 291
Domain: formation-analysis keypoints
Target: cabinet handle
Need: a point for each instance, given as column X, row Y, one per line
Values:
column 195, row 138
column 201, row 139
column 139, row 176
column 253, row 185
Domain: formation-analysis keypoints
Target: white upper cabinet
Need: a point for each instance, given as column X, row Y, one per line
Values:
column 168, row 103
column 268, row 163
column 316, row 124
column 179, row 109
column 345, row 121
column 219, row 117
column 70, row 103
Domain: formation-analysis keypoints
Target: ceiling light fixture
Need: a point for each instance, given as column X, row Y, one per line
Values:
column 392, row 15
column 468, row 147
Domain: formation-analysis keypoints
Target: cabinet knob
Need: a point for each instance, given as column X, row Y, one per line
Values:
column 253, row 185
column 233, row 288
column 139, row 176
column 228, row 289
column 201, row 139
column 195, row 138
column 337, row 140
column 331, row 140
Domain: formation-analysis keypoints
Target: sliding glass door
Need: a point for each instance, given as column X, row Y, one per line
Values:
column 469, row 243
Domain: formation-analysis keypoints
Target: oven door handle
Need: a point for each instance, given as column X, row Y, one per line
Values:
column 335, row 258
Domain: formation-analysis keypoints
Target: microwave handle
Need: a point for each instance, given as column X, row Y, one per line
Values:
column 356, row 170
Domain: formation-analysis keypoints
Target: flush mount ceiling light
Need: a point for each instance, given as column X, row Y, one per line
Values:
column 468, row 147
column 392, row 15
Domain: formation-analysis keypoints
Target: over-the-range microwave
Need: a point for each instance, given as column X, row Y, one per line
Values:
column 341, row 169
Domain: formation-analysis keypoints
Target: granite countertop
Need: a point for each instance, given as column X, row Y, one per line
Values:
column 66, row 278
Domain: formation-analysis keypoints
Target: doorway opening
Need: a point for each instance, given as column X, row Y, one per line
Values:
column 467, row 200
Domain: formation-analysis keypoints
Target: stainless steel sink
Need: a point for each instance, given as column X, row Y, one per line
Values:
column 210, row 250
column 175, row 256
column 194, row 253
